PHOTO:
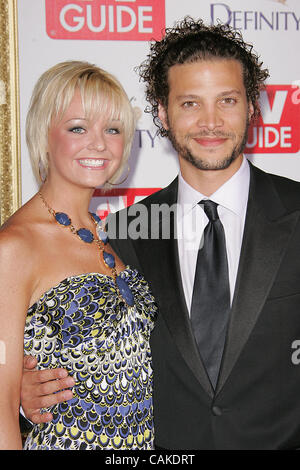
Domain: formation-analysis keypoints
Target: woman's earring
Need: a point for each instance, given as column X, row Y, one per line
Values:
column 42, row 172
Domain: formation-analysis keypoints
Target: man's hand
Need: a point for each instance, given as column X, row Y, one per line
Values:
column 39, row 389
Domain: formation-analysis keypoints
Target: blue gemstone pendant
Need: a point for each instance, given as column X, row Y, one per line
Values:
column 109, row 259
column 85, row 235
column 125, row 291
column 62, row 219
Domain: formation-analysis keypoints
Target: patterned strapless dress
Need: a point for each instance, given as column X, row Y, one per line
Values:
column 82, row 324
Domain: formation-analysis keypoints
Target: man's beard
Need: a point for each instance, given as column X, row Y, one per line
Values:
column 202, row 164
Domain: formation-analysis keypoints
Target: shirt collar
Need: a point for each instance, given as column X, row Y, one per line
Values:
column 233, row 194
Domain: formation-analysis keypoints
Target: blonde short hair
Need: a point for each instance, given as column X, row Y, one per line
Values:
column 101, row 93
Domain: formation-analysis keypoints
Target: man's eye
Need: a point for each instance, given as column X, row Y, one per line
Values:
column 228, row 100
column 189, row 104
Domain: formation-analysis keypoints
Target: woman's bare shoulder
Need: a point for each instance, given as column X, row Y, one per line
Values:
column 18, row 235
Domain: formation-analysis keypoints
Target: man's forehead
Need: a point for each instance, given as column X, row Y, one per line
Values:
column 206, row 71
column 207, row 61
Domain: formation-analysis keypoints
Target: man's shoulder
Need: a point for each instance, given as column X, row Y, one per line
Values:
column 287, row 189
column 282, row 182
column 164, row 195
column 286, row 184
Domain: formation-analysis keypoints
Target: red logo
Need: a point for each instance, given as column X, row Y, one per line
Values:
column 277, row 130
column 104, row 202
column 116, row 20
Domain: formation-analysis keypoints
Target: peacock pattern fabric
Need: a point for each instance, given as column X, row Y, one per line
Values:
column 84, row 326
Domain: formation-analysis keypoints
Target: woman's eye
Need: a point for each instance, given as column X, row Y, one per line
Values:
column 77, row 130
column 113, row 130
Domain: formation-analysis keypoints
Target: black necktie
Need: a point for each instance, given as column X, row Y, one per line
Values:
column 211, row 294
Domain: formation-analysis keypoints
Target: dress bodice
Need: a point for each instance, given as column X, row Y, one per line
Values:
column 83, row 325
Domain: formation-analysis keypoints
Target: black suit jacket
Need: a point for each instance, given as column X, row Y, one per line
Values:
column 256, row 404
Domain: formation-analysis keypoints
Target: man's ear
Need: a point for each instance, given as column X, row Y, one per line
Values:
column 162, row 114
column 250, row 111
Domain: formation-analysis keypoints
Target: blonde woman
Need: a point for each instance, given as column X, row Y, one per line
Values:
column 61, row 283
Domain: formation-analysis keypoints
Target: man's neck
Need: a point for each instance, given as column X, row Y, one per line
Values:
column 208, row 181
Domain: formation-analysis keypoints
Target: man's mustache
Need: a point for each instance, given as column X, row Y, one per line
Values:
column 214, row 134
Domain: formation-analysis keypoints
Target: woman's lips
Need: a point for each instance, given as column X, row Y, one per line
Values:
column 93, row 163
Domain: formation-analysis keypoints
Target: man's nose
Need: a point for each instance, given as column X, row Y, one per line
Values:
column 210, row 117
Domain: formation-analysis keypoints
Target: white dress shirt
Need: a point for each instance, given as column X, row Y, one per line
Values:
column 232, row 198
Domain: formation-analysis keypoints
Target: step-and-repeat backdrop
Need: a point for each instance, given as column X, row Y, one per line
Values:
column 115, row 35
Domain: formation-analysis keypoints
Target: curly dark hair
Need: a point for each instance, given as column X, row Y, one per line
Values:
column 190, row 41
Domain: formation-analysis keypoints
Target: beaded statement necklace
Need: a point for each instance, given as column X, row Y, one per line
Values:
column 87, row 236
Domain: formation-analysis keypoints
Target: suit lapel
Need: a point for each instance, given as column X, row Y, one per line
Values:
column 160, row 264
column 267, row 231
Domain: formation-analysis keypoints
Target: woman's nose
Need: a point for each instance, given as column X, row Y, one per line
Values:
column 97, row 142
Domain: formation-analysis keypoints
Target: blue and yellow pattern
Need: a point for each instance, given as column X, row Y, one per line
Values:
column 84, row 326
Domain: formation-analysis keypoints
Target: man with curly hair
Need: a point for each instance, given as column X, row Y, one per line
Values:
column 227, row 278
